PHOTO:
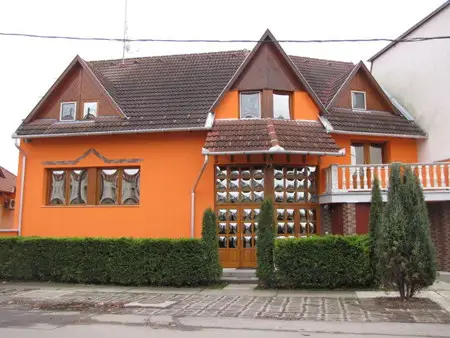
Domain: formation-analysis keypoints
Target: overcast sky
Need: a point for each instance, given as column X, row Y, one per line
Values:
column 28, row 67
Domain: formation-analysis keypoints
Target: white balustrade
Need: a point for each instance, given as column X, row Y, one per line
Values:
column 344, row 178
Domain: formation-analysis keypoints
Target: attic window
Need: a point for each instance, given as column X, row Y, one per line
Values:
column 89, row 110
column 359, row 100
column 68, row 111
column 281, row 106
column 250, row 105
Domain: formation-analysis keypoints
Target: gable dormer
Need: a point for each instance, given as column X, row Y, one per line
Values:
column 361, row 92
column 268, row 85
column 77, row 95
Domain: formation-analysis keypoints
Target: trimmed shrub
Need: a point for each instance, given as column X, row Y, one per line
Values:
column 376, row 215
column 124, row 261
column 209, row 235
column 266, row 241
column 323, row 262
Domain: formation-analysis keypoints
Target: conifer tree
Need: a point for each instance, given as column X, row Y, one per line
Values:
column 376, row 215
column 209, row 236
column 265, row 270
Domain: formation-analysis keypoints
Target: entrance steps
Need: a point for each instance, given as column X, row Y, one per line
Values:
column 239, row 276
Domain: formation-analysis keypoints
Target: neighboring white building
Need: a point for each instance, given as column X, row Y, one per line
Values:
column 417, row 74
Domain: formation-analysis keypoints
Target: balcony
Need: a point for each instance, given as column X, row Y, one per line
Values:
column 353, row 183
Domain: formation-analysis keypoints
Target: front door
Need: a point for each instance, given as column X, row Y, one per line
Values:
column 239, row 193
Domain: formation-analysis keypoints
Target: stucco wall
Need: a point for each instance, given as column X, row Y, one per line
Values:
column 418, row 75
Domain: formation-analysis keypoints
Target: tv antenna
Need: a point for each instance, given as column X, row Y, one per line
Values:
column 125, row 31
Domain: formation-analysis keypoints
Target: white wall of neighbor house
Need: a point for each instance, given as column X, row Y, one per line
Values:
column 418, row 75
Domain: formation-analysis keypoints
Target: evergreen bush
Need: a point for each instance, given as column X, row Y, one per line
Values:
column 265, row 232
column 376, row 215
column 209, row 235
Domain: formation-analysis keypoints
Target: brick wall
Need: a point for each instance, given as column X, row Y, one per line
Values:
column 349, row 218
column 325, row 211
column 439, row 214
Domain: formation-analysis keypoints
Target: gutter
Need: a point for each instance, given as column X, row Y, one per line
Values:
column 376, row 134
column 22, row 185
column 205, row 162
column 135, row 131
column 274, row 150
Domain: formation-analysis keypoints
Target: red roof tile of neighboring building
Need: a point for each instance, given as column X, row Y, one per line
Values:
column 7, row 181
column 258, row 136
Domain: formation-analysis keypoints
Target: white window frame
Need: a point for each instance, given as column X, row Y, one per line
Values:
column 96, row 110
column 240, row 104
column 365, row 99
column 60, row 111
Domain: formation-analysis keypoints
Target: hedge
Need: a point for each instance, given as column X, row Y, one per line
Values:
column 323, row 262
column 124, row 261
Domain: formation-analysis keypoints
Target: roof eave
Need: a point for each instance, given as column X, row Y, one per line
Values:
column 341, row 152
column 346, row 132
column 94, row 133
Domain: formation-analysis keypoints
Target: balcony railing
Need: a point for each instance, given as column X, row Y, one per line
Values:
column 355, row 178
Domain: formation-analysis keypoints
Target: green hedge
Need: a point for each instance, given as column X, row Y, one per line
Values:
column 323, row 262
column 125, row 261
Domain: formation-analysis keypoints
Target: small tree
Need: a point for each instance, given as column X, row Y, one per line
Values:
column 421, row 267
column 209, row 236
column 391, row 246
column 266, row 241
column 376, row 215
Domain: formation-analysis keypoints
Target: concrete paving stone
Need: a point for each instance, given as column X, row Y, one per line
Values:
column 120, row 318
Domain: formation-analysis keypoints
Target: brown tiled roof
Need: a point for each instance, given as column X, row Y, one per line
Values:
column 324, row 76
column 253, row 136
column 373, row 122
column 7, row 181
column 163, row 92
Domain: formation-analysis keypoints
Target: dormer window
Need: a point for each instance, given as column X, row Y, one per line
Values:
column 89, row 110
column 68, row 111
column 281, row 106
column 359, row 100
column 250, row 105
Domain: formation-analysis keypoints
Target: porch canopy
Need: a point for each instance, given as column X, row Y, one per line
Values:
column 270, row 136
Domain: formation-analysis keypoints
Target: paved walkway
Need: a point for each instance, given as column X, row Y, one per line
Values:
column 235, row 301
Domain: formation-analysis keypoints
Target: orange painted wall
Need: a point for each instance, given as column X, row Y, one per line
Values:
column 170, row 165
column 303, row 107
column 6, row 215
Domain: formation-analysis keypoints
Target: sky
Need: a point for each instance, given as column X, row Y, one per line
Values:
column 28, row 67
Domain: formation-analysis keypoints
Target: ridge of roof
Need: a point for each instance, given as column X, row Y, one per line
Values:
column 7, row 181
column 410, row 30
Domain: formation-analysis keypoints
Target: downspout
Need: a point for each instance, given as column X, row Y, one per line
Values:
column 22, row 184
column 205, row 162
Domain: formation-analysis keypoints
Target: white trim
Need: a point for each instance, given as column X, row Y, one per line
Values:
column 61, row 110
column 274, row 150
column 365, row 100
column 240, row 103
column 96, row 109
column 365, row 196
column 346, row 132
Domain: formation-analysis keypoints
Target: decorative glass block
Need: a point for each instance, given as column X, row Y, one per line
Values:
column 222, row 228
column 232, row 242
column 311, row 214
column 280, row 228
column 221, row 172
column 232, row 215
column 232, row 228
column 233, row 185
column 221, row 185
column 221, row 197
column 222, row 242
column 302, row 213
column 290, row 228
column 245, row 173
column 256, row 214
column 312, row 228
column 278, row 184
column 247, row 214
column 290, row 197
column 301, row 184
column 246, row 197
column 280, row 214
column 290, row 184
column 258, row 196
column 247, row 228
column 258, row 173
column 301, row 197
column 246, row 184
column 233, row 197
column 108, row 186
column 78, row 187
column 247, row 242
column 234, row 173
column 290, row 214
column 279, row 196
column 258, row 183
column 290, row 173
column 222, row 215
column 303, row 228
column 278, row 173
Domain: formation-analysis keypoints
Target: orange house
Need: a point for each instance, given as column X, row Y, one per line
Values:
column 7, row 201
column 142, row 147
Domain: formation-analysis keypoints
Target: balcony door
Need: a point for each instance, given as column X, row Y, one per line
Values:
column 363, row 154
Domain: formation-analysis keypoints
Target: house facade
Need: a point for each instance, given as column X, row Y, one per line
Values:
column 7, row 199
column 142, row 147
column 407, row 70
